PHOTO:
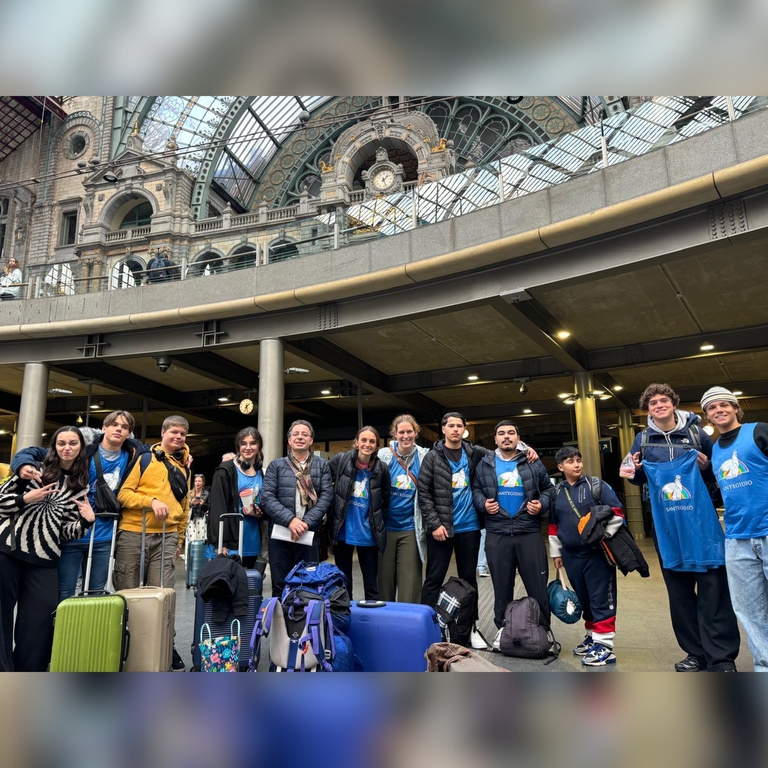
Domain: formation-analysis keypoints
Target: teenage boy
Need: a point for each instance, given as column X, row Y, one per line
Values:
column 740, row 462
column 673, row 456
column 116, row 452
column 511, row 493
column 162, row 485
column 589, row 572
column 296, row 495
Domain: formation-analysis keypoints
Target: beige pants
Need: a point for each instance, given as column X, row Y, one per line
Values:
column 128, row 560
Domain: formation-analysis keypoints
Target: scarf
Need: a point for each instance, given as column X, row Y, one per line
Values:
column 307, row 492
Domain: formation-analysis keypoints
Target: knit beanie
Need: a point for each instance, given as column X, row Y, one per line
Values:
column 715, row 394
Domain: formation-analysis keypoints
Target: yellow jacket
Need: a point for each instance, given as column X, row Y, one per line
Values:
column 138, row 491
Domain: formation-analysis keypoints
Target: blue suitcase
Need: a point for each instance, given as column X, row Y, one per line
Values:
column 204, row 615
column 393, row 637
column 195, row 562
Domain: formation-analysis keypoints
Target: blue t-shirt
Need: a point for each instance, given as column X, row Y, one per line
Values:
column 509, row 487
column 464, row 516
column 741, row 470
column 112, row 469
column 687, row 528
column 356, row 530
column 251, row 531
column 402, row 495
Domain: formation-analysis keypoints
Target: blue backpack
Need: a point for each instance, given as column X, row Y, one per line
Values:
column 308, row 625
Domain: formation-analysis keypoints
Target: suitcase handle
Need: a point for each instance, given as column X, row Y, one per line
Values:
column 370, row 603
column 89, row 562
column 142, row 575
column 241, row 527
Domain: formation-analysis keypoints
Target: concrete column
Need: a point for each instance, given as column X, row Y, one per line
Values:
column 587, row 432
column 271, row 397
column 634, row 503
column 34, row 395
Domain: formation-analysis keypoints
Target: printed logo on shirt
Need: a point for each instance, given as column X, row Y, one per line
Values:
column 510, row 479
column 459, row 479
column 675, row 491
column 404, row 483
column 360, row 489
column 112, row 479
column 732, row 467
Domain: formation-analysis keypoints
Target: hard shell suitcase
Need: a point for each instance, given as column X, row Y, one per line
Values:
column 393, row 637
column 204, row 611
column 90, row 633
column 151, row 612
column 195, row 562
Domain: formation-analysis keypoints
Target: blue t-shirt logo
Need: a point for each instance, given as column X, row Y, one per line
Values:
column 510, row 479
column 675, row 491
column 732, row 467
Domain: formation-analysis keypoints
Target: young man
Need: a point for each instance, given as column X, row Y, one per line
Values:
column 162, row 486
column 673, row 456
column 511, row 493
column 740, row 461
column 589, row 572
column 116, row 452
column 296, row 495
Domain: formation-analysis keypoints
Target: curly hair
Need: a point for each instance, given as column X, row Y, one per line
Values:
column 658, row 389
column 78, row 474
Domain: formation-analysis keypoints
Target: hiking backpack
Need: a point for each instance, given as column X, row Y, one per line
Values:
column 526, row 633
column 308, row 625
column 455, row 609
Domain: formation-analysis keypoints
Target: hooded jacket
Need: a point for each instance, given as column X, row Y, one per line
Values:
column 436, row 493
column 224, row 582
column 224, row 498
column 343, row 470
column 536, row 485
column 139, row 489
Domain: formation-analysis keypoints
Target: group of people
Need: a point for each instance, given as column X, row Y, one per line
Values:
column 407, row 511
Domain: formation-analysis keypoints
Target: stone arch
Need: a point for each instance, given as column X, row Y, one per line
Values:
column 243, row 256
column 281, row 249
column 209, row 262
column 119, row 201
column 127, row 272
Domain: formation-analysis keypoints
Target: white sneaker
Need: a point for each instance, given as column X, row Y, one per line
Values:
column 476, row 641
column 497, row 642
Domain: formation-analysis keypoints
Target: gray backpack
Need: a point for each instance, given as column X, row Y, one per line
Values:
column 526, row 633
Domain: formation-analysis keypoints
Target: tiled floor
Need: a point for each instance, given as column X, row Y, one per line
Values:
column 644, row 640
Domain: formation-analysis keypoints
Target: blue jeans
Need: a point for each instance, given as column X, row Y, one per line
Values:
column 746, row 561
column 482, row 560
column 72, row 564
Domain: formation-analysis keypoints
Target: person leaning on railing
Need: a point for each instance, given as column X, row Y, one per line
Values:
column 10, row 282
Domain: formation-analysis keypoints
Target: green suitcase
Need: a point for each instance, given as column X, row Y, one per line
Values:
column 90, row 633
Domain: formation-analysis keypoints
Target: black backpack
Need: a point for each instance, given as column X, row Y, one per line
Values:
column 526, row 633
column 456, row 610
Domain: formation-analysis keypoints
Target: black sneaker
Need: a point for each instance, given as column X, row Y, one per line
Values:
column 689, row 664
column 177, row 665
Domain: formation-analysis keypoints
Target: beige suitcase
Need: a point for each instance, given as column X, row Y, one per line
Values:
column 151, row 620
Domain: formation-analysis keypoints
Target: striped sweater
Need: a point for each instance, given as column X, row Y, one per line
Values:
column 34, row 532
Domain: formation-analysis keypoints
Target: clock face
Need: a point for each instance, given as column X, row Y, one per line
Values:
column 246, row 406
column 383, row 179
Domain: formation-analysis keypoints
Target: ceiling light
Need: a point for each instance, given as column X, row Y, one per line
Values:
column 563, row 395
column 224, row 399
column 706, row 347
column 465, row 434
column 294, row 371
column 2, row 431
column 737, row 392
column 709, row 430
column 94, row 407
column 325, row 391
column 598, row 392
column 570, row 400
column 472, row 378
column 605, row 397
column 618, row 388
column 562, row 335
column 59, row 391
column 527, row 410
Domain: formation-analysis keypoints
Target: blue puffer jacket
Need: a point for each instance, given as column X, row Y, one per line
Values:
column 278, row 494
column 536, row 485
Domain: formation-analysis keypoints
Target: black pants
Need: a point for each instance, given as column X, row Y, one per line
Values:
column 702, row 616
column 594, row 582
column 467, row 547
column 506, row 555
column 368, row 558
column 34, row 591
column 283, row 556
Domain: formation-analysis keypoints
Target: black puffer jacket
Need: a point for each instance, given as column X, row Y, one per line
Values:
column 343, row 470
column 536, row 485
column 435, row 491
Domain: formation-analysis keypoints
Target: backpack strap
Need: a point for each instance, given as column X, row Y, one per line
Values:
column 596, row 486
column 144, row 461
column 644, row 442
column 695, row 436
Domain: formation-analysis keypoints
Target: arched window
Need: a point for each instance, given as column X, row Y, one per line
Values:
column 59, row 281
column 138, row 216
column 244, row 257
column 125, row 274
column 280, row 250
column 208, row 263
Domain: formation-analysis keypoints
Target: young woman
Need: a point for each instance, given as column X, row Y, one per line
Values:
column 236, row 487
column 36, row 516
column 400, row 563
column 360, row 501
column 197, row 527
column 10, row 280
